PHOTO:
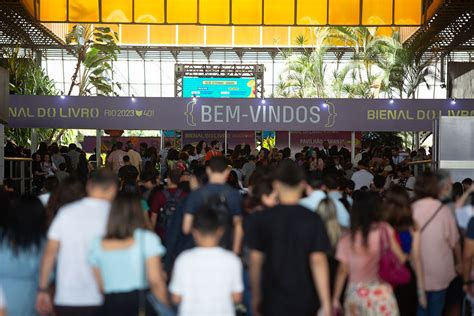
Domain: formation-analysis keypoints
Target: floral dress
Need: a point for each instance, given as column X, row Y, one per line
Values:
column 371, row 299
column 366, row 294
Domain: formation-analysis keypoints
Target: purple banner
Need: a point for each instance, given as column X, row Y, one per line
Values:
column 232, row 114
column 234, row 138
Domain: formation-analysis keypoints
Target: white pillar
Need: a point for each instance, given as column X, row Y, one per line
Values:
column 162, row 140
column 34, row 141
column 225, row 142
column 353, row 146
column 98, row 145
column 417, row 140
column 2, row 153
column 289, row 139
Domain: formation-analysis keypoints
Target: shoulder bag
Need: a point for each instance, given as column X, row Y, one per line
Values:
column 390, row 268
column 432, row 218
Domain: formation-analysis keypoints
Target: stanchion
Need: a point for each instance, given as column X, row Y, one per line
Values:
column 98, row 145
column 353, row 146
column 225, row 143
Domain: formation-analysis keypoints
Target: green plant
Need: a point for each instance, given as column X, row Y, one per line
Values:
column 95, row 50
column 407, row 72
column 27, row 78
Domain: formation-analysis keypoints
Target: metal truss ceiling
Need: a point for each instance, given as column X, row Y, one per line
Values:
column 18, row 28
column 451, row 28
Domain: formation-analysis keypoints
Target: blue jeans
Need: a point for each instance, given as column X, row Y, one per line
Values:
column 435, row 300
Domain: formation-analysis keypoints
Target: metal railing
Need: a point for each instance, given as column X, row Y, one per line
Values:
column 421, row 166
column 20, row 171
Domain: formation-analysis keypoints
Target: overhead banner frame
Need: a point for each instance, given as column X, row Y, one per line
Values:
column 232, row 114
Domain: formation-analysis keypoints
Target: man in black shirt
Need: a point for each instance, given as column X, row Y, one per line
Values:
column 217, row 188
column 127, row 173
column 289, row 272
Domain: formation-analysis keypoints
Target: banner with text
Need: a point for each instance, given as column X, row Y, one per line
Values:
column 234, row 138
column 232, row 114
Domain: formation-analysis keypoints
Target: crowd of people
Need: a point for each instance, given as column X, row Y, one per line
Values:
column 198, row 231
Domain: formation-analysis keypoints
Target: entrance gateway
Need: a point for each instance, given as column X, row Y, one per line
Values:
column 248, row 114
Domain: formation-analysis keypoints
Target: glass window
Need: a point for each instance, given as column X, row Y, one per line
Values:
column 152, row 72
column 136, row 71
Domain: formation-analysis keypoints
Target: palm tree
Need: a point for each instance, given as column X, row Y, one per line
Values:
column 408, row 72
column 370, row 51
column 304, row 74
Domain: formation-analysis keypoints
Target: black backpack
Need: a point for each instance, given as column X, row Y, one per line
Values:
column 169, row 209
column 218, row 202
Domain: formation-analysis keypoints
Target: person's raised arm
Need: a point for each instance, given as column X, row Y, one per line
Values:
column 320, row 270
column 255, row 274
column 154, row 272
column 462, row 200
column 43, row 299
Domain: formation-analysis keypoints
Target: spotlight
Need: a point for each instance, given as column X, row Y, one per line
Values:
column 453, row 101
column 325, row 104
column 63, row 96
column 194, row 98
column 263, row 101
column 133, row 98
column 391, row 101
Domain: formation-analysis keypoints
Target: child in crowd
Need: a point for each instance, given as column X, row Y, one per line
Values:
column 207, row 280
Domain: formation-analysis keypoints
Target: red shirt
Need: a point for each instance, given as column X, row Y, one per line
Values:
column 212, row 153
column 158, row 201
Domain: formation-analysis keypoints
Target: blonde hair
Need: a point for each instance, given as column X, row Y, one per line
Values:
column 327, row 211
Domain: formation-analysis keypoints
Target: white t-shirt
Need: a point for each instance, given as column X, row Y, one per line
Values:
column 463, row 216
column 44, row 198
column 362, row 178
column 115, row 159
column 75, row 227
column 205, row 278
column 135, row 159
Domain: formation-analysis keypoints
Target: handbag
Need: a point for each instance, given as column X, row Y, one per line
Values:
column 390, row 268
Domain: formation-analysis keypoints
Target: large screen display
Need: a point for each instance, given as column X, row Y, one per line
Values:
column 219, row 87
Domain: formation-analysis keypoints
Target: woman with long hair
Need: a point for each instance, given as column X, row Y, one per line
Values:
column 128, row 246
column 328, row 213
column 398, row 213
column 359, row 254
column 21, row 247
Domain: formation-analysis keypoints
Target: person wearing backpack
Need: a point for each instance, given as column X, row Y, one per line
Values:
column 164, row 203
column 224, row 198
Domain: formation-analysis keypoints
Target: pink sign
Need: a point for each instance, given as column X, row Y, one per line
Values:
column 316, row 139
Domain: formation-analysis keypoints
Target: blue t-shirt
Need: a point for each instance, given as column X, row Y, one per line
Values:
column 199, row 197
column 470, row 229
column 124, row 270
column 19, row 273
